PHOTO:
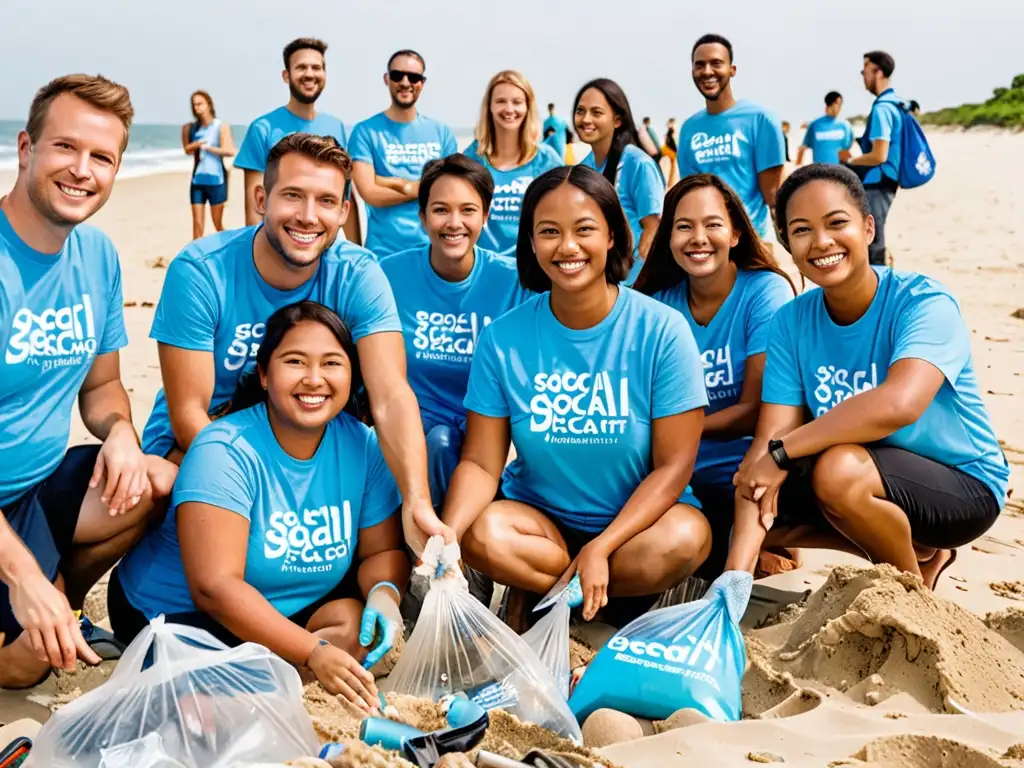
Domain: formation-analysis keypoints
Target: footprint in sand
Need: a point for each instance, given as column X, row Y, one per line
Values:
column 1011, row 590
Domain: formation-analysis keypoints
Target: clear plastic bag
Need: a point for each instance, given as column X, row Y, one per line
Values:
column 458, row 646
column 684, row 656
column 549, row 639
column 179, row 698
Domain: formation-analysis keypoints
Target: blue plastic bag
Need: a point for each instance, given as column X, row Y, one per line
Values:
column 684, row 656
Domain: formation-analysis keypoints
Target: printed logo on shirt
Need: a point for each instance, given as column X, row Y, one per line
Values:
column 834, row 134
column 580, row 408
column 708, row 148
column 718, row 374
column 55, row 338
column 312, row 542
column 446, row 336
column 836, row 384
column 413, row 153
column 244, row 346
column 508, row 198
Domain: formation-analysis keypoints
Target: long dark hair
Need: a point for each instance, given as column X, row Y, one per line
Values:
column 661, row 271
column 625, row 134
column 249, row 390
column 209, row 100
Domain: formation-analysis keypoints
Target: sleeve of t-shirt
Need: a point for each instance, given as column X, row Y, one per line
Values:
column 484, row 394
column 773, row 291
column 781, row 384
column 684, row 155
column 883, row 122
column 252, row 155
column 849, row 136
column 360, row 147
column 372, row 308
column 678, row 384
column 187, row 313
column 648, row 188
column 380, row 494
column 770, row 148
column 932, row 329
column 449, row 146
column 213, row 473
column 115, row 336
column 809, row 137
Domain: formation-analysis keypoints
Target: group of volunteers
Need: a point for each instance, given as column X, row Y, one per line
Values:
column 675, row 402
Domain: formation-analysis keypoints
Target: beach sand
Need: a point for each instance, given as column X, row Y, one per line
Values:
column 964, row 228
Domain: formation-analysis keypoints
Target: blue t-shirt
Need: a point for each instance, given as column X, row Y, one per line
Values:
column 884, row 123
column 214, row 300
column 641, row 190
column 738, row 331
column 735, row 145
column 264, row 132
column 558, row 139
column 398, row 150
column 58, row 313
column 815, row 363
column 581, row 403
column 826, row 137
column 304, row 516
column 442, row 322
column 502, row 228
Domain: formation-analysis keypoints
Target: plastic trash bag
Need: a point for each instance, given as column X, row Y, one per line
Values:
column 458, row 646
column 549, row 638
column 179, row 698
column 684, row 656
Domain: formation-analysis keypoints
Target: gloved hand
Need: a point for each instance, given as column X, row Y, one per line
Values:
column 574, row 591
column 381, row 623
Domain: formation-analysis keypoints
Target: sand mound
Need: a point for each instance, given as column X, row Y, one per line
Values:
column 1009, row 624
column 95, row 606
column 876, row 632
column 921, row 752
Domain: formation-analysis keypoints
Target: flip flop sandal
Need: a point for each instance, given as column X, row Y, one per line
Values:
column 106, row 646
column 952, row 559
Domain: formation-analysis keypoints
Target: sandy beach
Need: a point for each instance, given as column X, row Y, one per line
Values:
column 965, row 229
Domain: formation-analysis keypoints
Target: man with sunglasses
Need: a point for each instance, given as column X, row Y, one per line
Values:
column 389, row 151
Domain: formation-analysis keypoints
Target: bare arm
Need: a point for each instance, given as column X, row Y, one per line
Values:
column 800, row 152
column 740, row 420
column 383, row 193
column 102, row 400
column 188, row 377
column 189, row 146
column 649, row 226
column 475, row 481
column 382, row 556
column 253, row 179
column 879, row 154
column 16, row 560
column 768, row 182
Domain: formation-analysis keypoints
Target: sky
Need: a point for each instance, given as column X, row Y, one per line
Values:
column 789, row 53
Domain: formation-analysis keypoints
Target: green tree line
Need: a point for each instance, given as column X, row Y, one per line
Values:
column 1004, row 109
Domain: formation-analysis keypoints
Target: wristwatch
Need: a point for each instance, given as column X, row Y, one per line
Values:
column 779, row 455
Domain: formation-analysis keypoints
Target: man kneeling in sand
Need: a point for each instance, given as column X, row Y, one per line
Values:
column 66, row 516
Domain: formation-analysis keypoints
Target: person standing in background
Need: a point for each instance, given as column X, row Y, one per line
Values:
column 785, row 138
column 562, row 133
column 736, row 140
column 305, row 74
column 389, row 151
column 828, row 137
column 209, row 141
column 653, row 135
column 668, row 163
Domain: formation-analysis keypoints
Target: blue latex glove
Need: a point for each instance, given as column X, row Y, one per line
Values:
column 381, row 622
column 574, row 591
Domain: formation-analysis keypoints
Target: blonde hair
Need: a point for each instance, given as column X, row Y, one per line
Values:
column 95, row 90
column 529, row 131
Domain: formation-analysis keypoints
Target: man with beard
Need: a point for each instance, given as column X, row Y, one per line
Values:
column 389, row 151
column 66, row 515
column 736, row 140
column 220, row 290
column 305, row 73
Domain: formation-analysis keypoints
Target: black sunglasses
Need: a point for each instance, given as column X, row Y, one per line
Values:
column 397, row 75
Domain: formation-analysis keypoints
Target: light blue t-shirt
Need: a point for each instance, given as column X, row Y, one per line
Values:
column 736, row 146
column 304, row 516
column 738, row 331
column 264, row 132
column 641, row 190
column 826, row 137
column 442, row 323
column 815, row 363
column 214, row 300
column 502, row 228
column 398, row 150
column 582, row 403
column 58, row 313
column 884, row 123
column 560, row 126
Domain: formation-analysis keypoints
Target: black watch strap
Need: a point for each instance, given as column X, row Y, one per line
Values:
column 779, row 455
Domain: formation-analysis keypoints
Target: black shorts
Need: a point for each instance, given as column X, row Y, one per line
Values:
column 127, row 621
column 947, row 508
column 45, row 518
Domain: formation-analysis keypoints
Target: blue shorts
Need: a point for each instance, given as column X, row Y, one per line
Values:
column 214, row 194
column 45, row 518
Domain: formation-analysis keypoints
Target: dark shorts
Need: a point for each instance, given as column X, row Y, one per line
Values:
column 214, row 194
column 45, row 518
column 947, row 508
column 718, row 506
column 127, row 621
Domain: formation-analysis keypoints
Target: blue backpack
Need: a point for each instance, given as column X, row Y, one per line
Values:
column 917, row 163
